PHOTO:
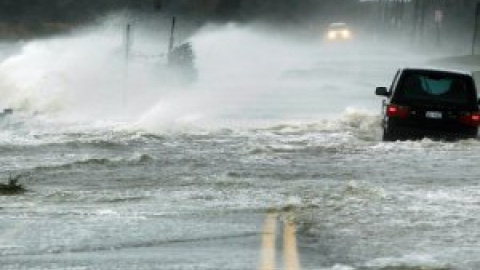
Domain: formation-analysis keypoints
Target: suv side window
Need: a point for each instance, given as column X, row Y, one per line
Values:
column 394, row 82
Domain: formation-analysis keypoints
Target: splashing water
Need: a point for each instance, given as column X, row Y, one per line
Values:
column 246, row 76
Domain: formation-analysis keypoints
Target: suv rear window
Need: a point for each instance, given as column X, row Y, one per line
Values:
column 436, row 87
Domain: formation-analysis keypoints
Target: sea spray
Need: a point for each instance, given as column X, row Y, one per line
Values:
column 246, row 76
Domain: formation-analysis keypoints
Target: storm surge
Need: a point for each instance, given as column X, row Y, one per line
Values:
column 129, row 169
column 246, row 77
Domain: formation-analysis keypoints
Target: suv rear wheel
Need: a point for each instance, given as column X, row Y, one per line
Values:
column 389, row 134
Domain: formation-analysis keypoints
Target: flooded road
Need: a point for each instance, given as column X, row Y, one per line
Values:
column 268, row 164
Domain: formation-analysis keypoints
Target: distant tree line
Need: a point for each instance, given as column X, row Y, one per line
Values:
column 26, row 11
column 428, row 22
column 32, row 11
column 32, row 17
column 38, row 16
column 27, row 18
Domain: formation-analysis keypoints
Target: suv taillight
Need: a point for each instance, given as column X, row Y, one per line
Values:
column 397, row 111
column 471, row 119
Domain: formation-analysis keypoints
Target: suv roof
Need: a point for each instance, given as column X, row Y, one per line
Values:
column 338, row 25
column 436, row 69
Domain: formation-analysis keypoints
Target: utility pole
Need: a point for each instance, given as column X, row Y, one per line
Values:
column 399, row 13
column 381, row 16
column 475, row 28
column 438, row 24
column 128, row 42
column 172, row 39
column 422, row 18
column 416, row 19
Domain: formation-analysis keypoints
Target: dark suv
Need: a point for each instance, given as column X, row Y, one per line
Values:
column 430, row 103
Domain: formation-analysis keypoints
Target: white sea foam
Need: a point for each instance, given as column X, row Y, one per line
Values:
column 246, row 76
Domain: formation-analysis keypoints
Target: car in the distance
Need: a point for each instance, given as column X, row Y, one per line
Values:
column 339, row 32
column 430, row 103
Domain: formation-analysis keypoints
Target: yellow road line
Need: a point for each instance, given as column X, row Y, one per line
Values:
column 290, row 251
column 269, row 242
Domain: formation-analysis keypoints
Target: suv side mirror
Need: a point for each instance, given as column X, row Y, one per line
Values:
column 382, row 91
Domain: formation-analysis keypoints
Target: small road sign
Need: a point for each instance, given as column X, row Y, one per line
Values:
column 438, row 16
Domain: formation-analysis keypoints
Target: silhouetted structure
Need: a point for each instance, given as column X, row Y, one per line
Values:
column 12, row 187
